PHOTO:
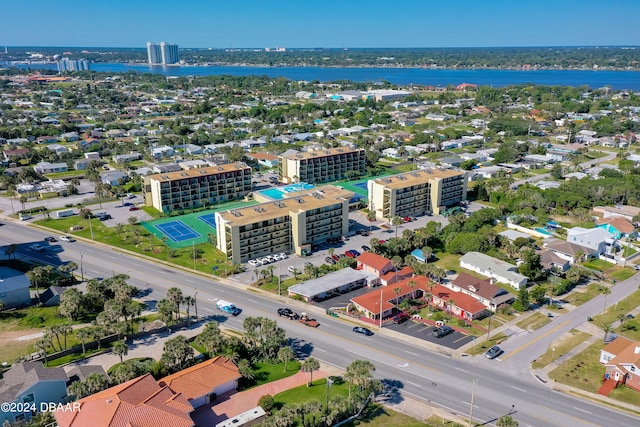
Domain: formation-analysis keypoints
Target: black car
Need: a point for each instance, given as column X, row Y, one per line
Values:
column 493, row 352
column 50, row 239
column 288, row 313
column 330, row 260
column 363, row 331
column 366, row 248
column 442, row 331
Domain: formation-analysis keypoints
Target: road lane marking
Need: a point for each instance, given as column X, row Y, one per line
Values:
column 461, row 370
column 320, row 350
column 523, row 346
column 469, row 403
column 463, row 338
column 411, row 353
column 414, row 384
column 518, row 388
column 583, row 410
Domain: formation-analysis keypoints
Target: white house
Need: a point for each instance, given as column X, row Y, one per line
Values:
column 14, row 288
column 593, row 238
column 501, row 271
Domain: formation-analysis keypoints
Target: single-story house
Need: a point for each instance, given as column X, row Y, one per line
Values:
column 82, row 164
column 46, row 167
column 571, row 252
column 162, row 151
column 550, row 260
column 482, row 290
column 619, row 227
column 265, row 159
column 141, row 402
column 383, row 301
column 374, row 263
column 457, row 303
column 114, row 178
column 621, row 357
column 332, row 284
column 126, row 158
column 81, row 372
column 392, row 277
column 51, row 297
column 499, row 270
column 31, row 382
column 201, row 383
column 625, row 211
column 14, row 288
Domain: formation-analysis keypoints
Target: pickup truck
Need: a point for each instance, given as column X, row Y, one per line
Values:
column 305, row 320
column 227, row 307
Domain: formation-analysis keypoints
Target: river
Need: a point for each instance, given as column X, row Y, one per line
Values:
column 618, row 80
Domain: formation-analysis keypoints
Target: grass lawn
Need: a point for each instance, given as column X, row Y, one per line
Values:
column 621, row 273
column 265, row 373
column 562, row 345
column 74, row 357
column 68, row 174
column 481, row 344
column 405, row 167
column 533, row 322
column 378, row 416
column 621, row 307
column 598, row 264
column 582, row 371
column 582, row 295
column 630, row 329
column 136, row 239
column 435, row 421
column 448, row 261
column 316, row 392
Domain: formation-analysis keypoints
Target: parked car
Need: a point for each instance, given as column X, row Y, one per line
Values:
column 335, row 257
column 134, row 208
column 254, row 263
column 362, row 330
column 66, row 238
column 406, row 219
column 366, row 248
column 50, row 239
column 36, row 247
column 349, row 254
column 442, row 331
column 293, row 270
column 25, row 217
column 127, row 204
column 330, row 260
column 400, row 318
column 493, row 352
column 288, row 313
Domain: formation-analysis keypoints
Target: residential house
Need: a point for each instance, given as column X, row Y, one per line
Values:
column 265, row 159
column 550, row 260
column 568, row 251
column 140, row 402
column 482, row 290
column 621, row 358
column 58, row 148
column 81, row 372
column 391, row 277
column 16, row 154
column 121, row 159
column 457, row 303
column 114, row 178
column 115, row 133
column 332, row 284
column 593, row 238
column 51, row 297
column 14, row 288
column 31, row 382
column 625, row 211
column 82, row 164
column 162, row 151
column 382, row 302
column 202, row 383
column 374, row 263
column 499, row 270
column 70, row 136
column 618, row 227
column 46, row 167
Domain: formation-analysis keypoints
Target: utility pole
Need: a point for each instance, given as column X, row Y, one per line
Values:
column 81, row 269
column 380, row 308
column 91, row 225
column 195, row 303
column 473, row 395
column 193, row 244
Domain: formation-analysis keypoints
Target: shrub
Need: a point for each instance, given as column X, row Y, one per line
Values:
column 266, row 402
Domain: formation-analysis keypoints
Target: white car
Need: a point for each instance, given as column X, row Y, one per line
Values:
column 25, row 217
column 66, row 238
column 292, row 269
column 254, row 263
column 36, row 247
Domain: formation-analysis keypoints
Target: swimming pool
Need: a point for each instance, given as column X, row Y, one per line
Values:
column 542, row 230
column 278, row 193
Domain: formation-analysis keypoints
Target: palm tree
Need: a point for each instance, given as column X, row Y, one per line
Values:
column 120, row 348
column 285, row 354
column 412, row 284
column 84, row 335
column 10, row 251
column 396, row 221
column 309, row 365
column 188, row 302
column 41, row 346
column 371, row 217
column 175, row 296
column 397, row 291
column 604, row 290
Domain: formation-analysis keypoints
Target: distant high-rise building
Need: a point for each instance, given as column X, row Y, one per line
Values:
column 66, row 64
column 153, row 53
column 164, row 53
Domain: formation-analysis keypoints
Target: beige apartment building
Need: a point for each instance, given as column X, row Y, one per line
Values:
column 416, row 192
column 188, row 189
column 290, row 224
column 320, row 166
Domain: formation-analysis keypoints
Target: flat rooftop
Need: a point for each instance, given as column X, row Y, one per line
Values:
column 421, row 176
column 193, row 173
column 301, row 200
column 320, row 153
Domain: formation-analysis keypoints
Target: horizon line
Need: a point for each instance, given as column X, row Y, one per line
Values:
column 336, row 47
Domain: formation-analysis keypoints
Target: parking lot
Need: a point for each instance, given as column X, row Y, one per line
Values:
column 424, row 332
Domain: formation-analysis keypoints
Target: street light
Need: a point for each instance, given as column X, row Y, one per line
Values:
column 81, row 269
column 473, row 395
column 195, row 303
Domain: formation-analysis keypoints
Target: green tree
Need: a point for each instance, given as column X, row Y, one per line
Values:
column 84, row 335
column 506, row 421
column 175, row 296
column 211, row 338
column 309, row 365
column 70, row 304
column 267, row 402
column 538, row 295
column 244, row 368
column 176, row 353
column 120, row 349
column 40, row 276
column 285, row 354
column 396, row 221
column 522, row 302
column 165, row 309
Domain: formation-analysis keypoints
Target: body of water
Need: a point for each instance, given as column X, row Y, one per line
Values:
column 401, row 76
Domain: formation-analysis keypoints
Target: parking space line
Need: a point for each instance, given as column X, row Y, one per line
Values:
column 463, row 338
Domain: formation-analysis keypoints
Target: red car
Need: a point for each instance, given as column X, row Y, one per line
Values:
column 350, row 254
column 134, row 208
column 335, row 257
column 382, row 242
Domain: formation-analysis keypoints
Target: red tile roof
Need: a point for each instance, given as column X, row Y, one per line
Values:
column 371, row 301
column 621, row 224
column 140, row 402
column 460, row 300
column 375, row 261
column 202, row 378
column 403, row 273
column 263, row 156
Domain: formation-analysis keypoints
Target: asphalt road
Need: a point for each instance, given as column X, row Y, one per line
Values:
column 407, row 368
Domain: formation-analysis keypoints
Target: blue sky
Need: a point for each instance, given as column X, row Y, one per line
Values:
column 314, row 23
